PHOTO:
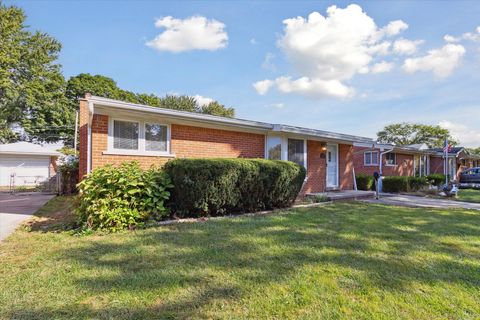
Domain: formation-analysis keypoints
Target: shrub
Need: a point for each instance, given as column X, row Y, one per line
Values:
column 436, row 179
column 365, row 182
column 403, row 184
column 217, row 186
column 67, row 167
column 115, row 198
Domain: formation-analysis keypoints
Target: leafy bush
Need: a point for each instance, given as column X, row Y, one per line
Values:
column 436, row 179
column 67, row 167
column 219, row 186
column 403, row 184
column 365, row 182
column 115, row 198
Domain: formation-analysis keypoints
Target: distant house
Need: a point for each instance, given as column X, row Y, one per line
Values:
column 26, row 164
column 113, row 131
column 390, row 160
column 410, row 160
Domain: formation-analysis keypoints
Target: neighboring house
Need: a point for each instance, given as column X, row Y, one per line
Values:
column 459, row 159
column 115, row 131
column 390, row 160
column 26, row 164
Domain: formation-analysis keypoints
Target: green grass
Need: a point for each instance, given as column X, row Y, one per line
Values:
column 348, row 260
column 469, row 195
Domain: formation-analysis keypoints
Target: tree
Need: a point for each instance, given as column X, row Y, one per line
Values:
column 31, row 83
column 106, row 87
column 411, row 133
column 474, row 151
column 217, row 109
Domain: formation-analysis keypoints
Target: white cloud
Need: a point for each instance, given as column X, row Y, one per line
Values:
column 442, row 62
column 466, row 136
column 268, row 62
column 326, row 51
column 263, row 86
column 194, row 33
column 394, row 27
column 405, row 46
column 382, row 67
column 202, row 101
column 472, row 36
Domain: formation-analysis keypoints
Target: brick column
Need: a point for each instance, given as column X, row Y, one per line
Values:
column 83, row 138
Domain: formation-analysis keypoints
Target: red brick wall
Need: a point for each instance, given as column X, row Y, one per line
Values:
column 83, row 138
column 186, row 142
column 404, row 166
column 316, row 168
column 436, row 165
column 345, row 166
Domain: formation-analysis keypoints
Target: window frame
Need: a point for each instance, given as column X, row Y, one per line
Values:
column 370, row 164
column 284, row 147
column 141, row 151
column 394, row 159
column 167, row 137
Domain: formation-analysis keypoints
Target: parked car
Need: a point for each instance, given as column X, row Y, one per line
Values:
column 470, row 176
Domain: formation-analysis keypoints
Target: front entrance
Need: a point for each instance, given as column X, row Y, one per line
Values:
column 332, row 166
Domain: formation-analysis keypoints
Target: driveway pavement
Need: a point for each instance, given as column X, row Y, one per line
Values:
column 14, row 209
column 422, row 202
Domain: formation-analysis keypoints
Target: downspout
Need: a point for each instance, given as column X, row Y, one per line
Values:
column 381, row 159
column 89, row 137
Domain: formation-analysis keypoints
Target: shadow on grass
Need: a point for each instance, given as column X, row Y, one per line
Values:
column 189, row 267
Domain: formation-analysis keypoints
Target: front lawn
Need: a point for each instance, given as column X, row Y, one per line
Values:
column 347, row 260
column 469, row 195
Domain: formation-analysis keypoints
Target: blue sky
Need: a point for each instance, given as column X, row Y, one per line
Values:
column 325, row 70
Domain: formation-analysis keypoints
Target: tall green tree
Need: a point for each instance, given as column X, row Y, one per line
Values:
column 31, row 83
column 412, row 133
column 106, row 87
column 475, row 151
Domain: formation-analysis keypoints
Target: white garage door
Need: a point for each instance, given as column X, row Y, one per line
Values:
column 27, row 170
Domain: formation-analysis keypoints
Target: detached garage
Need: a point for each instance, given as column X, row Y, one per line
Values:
column 26, row 164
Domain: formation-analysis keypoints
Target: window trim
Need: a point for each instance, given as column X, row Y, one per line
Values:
column 394, row 160
column 284, row 147
column 371, row 164
column 168, row 135
column 141, row 139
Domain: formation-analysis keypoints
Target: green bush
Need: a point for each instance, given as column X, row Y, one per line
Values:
column 114, row 198
column 403, row 184
column 220, row 186
column 365, row 182
column 437, row 179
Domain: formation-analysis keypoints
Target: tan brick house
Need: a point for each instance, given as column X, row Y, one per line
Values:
column 114, row 131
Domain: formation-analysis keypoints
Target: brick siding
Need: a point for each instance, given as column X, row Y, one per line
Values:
column 404, row 166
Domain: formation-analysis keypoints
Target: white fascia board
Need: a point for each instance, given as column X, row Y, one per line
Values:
column 320, row 134
column 198, row 117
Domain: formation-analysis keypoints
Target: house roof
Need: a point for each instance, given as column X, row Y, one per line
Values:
column 235, row 122
column 454, row 150
column 28, row 148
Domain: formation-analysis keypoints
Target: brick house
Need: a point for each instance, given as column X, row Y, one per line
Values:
column 390, row 160
column 459, row 159
column 410, row 160
column 114, row 131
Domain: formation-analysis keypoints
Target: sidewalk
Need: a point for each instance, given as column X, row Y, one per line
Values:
column 422, row 202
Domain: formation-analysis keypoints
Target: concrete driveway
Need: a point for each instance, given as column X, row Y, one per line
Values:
column 422, row 202
column 16, row 208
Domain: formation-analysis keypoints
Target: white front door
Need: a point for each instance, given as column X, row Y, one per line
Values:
column 332, row 166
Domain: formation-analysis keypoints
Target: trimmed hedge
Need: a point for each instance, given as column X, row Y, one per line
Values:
column 403, row 184
column 221, row 186
column 365, row 182
column 436, row 179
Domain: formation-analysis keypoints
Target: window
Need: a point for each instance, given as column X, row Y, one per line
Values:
column 125, row 135
column 138, row 137
column 155, row 137
column 274, row 148
column 296, row 151
column 370, row 158
column 391, row 159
